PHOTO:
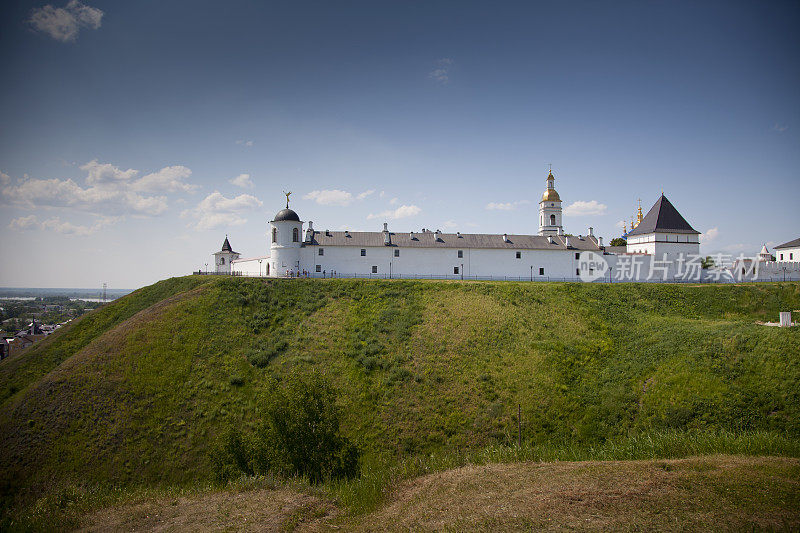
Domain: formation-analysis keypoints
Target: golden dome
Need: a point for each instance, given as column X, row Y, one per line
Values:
column 550, row 195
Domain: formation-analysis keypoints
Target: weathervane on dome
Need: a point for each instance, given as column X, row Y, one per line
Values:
column 288, row 194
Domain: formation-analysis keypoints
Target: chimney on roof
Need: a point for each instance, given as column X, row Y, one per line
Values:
column 560, row 230
column 310, row 231
column 600, row 242
column 591, row 231
column 459, row 235
column 385, row 226
column 387, row 237
column 346, row 233
column 437, row 235
column 327, row 233
column 550, row 239
column 505, row 237
column 566, row 241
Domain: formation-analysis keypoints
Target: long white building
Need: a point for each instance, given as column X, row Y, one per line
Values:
column 297, row 248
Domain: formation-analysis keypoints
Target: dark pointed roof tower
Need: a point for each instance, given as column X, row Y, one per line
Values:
column 226, row 246
column 663, row 218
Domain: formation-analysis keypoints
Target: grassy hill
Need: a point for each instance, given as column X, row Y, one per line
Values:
column 137, row 393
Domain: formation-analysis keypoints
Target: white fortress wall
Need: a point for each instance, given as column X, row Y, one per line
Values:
column 441, row 262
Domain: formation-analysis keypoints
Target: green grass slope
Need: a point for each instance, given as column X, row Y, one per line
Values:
column 137, row 392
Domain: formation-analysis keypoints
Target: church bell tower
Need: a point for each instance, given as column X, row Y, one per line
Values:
column 550, row 209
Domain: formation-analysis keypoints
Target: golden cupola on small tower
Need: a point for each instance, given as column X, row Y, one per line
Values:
column 550, row 209
column 550, row 194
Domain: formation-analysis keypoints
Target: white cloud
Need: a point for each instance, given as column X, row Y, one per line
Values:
column 394, row 201
column 25, row 223
column 216, row 210
column 168, row 179
column 582, row 208
column 709, row 235
column 364, row 194
column 69, row 229
column 242, row 142
column 5, row 179
column 243, row 181
column 401, row 212
column 64, row 23
column 108, row 190
column 506, row 206
column 441, row 73
column 330, row 197
column 106, row 173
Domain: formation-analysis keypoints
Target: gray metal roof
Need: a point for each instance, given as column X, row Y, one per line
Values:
column 663, row 217
column 364, row 239
column 791, row 244
column 286, row 214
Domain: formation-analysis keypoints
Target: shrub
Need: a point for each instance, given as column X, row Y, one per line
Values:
column 300, row 435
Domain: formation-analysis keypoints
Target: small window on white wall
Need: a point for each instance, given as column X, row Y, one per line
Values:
column 397, row 253
column 374, row 269
column 319, row 268
column 541, row 271
column 455, row 270
column 274, row 234
column 295, row 235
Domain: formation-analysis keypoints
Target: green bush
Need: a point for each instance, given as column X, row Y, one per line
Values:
column 300, row 435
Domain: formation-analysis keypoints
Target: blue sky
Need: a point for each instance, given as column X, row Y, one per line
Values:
column 135, row 135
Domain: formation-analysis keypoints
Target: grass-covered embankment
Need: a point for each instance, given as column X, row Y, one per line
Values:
column 136, row 393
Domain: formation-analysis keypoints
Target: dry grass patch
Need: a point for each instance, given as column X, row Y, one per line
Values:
column 255, row 510
column 719, row 493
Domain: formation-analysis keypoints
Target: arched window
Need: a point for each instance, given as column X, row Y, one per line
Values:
column 552, row 220
column 221, row 260
column 274, row 234
column 295, row 235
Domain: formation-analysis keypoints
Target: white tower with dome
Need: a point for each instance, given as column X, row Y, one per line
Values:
column 550, row 210
column 286, row 236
